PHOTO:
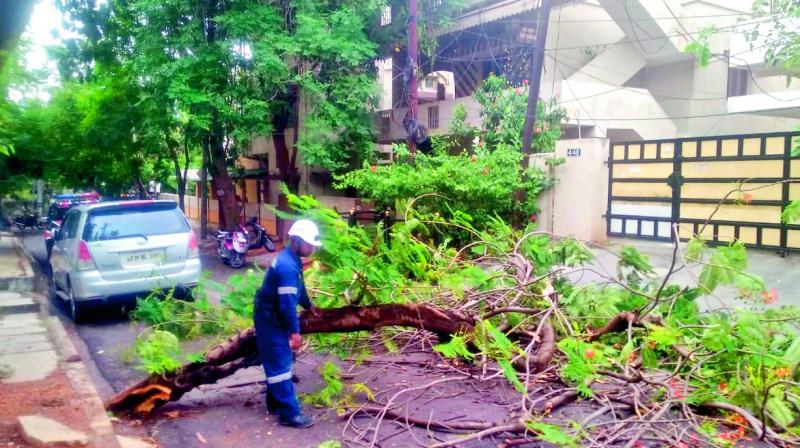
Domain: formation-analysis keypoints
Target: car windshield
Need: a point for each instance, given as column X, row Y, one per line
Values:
column 127, row 221
column 57, row 213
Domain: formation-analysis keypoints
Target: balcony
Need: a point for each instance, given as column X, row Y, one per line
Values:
column 784, row 104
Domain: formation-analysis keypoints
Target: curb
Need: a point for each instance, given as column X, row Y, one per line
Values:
column 26, row 282
column 71, row 363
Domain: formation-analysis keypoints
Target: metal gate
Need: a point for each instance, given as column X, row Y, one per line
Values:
column 655, row 184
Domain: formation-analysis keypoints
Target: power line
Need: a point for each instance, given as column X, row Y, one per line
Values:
column 636, row 19
column 513, row 44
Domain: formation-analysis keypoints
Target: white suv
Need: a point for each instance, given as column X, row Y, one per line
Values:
column 120, row 250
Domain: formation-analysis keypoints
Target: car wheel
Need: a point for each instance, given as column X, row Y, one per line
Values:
column 237, row 260
column 75, row 308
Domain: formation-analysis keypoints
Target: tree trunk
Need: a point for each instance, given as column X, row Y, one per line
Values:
column 182, row 181
column 226, row 192
column 204, row 193
column 240, row 351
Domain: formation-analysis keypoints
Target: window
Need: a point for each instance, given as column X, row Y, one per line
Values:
column 430, row 83
column 386, row 16
column 71, row 225
column 526, row 35
column 433, row 117
column 126, row 221
column 737, row 81
column 386, row 121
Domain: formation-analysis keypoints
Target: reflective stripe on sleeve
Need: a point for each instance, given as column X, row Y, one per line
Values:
column 279, row 378
column 287, row 290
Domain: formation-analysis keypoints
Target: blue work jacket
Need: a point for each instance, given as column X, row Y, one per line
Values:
column 282, row 290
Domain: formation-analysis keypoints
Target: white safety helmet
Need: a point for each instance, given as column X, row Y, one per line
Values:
column 307, row 231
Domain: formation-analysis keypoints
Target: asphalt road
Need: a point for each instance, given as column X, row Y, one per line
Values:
column 222, row 415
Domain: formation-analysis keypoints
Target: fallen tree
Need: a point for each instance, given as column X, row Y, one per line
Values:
column 510, row 311
column 239, row 351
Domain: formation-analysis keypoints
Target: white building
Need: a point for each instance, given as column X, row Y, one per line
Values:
column 617, row 66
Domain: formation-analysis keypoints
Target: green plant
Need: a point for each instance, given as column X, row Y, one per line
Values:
column 336, row 393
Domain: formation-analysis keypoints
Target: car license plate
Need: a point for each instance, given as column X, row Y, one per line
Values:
column 143, row 257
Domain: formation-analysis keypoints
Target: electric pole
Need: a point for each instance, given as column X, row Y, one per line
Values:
column 413, row 94
column 537, row 61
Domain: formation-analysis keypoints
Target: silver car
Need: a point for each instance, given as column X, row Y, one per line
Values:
column 119, row 250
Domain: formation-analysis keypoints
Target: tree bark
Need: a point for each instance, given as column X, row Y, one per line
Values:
column 226, row 192
column 204, row 192
column 239, row 351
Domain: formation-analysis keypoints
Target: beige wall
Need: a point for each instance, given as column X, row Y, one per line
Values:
column 576, row 204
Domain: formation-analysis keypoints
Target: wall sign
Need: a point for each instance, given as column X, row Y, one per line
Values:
column 573, row 152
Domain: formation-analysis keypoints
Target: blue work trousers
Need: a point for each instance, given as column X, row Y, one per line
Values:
column 276, row 357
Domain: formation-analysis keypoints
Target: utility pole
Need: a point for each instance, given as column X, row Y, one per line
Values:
column 537, row 60
column 413, row 93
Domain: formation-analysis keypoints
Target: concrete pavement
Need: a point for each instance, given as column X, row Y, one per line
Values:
column 42, row 381
column 778, row 273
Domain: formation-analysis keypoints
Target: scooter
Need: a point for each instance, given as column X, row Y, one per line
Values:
column 257, row 236
column 28, row 220
column 232, row 247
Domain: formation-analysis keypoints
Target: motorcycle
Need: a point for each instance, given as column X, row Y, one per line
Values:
column 257, row 236
column 28, row 220
column 232, row 247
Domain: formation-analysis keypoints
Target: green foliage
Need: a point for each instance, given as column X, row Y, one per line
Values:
column 552, row 434
column 336, row 393
column 791, row 213
column 503, row 110
column 492, row 164
column 595, row 303
column 583, row 360
column 160, row 353
column 330, row 444
column 781, row 37
column 633, row 267
column 456, row 347
column 726, row 266
column 333, row 387
column 699, row 46
column 572, row 252
column 436, row 179
column 695, row 248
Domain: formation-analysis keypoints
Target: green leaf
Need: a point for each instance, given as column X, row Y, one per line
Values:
column 633, row 266
column 695, row 248
column 552, row 434
column 664, row 337
column 792, row 354
column 791, row 214
column 780, row 411
column 749, row 285
column 511, row 375
column 160, row 353
column 572, row 252
column 330, row 444
column 455, row 348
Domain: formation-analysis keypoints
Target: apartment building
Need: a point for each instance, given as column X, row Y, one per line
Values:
column 617, row 66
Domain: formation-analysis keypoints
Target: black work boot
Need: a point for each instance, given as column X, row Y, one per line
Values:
column 298, row 421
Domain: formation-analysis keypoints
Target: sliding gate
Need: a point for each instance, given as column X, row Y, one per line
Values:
column 721, row 188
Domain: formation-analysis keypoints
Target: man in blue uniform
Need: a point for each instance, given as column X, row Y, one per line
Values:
column 277, row 325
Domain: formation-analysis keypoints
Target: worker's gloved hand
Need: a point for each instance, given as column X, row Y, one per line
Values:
column 295, row 341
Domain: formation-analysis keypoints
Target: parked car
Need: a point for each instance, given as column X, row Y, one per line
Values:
column 62, row 203
column 112, row 251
